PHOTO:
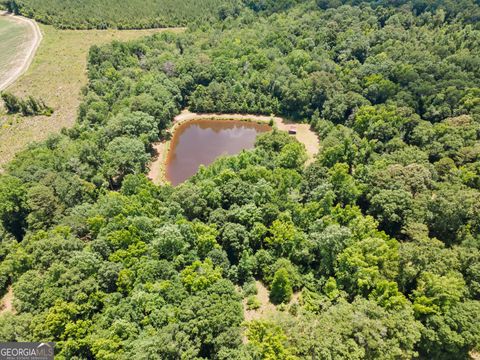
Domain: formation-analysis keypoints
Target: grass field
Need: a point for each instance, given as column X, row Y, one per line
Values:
column 12, row 35
column 57, row 74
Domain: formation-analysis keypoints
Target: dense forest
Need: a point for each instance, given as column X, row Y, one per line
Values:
column 125, row 14
column 142, row 14
column 379, row 238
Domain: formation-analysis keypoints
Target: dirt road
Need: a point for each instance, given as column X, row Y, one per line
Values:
column 25, row 57
column 304, row 135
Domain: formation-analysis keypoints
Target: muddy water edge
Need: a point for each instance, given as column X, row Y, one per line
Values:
column 200, row 142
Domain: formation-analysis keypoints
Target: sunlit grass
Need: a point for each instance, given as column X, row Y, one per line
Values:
column 57, row 74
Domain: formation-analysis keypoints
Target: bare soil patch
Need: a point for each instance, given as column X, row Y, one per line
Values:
column 6, row 304
column 266, row 307
column 474, row 355
column 156, row 173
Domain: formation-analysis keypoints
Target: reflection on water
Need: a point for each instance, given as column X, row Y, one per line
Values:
column 200, row 142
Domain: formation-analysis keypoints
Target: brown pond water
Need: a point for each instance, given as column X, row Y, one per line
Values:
column 200, row 142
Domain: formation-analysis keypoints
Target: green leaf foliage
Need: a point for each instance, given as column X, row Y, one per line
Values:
column 370, row 251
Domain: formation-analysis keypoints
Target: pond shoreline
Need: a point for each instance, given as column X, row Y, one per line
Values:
column 157, row 170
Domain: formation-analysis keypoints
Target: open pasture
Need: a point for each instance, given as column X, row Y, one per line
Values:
column 57, row 75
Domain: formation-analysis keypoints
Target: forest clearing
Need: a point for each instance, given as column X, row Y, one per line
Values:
column 58, row 81
column 265, row 309
column 6, row 302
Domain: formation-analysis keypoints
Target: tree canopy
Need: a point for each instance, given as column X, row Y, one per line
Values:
column 378, row 239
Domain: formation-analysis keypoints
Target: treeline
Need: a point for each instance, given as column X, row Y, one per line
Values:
column 27, row 107
column 451, row 8
column 137, row 14
column 129, row 14
column 379, row 237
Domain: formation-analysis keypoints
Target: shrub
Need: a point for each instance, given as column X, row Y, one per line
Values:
column 27, row 107
column 281, row 287
column 253, row 303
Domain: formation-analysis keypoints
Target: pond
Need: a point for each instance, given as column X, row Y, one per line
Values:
column 200, row 142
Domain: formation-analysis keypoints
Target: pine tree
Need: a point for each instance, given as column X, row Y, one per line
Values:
column 12, row 103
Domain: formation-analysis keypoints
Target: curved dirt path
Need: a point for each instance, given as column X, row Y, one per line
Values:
column 304, row 134
column 25, row 58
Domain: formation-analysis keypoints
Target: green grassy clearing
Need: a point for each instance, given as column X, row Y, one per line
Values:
column 57, row 74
